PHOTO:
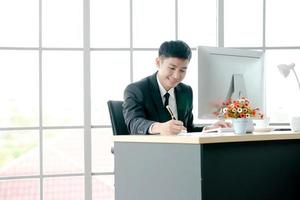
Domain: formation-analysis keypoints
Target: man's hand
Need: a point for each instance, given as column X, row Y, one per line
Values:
column 219, row 124
column 171, row 127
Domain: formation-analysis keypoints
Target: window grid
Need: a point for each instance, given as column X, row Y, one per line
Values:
column 41, row 185
column 53, row 175
column 87, row 102
column 87, row 50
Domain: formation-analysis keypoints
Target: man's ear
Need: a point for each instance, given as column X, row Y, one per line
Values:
column 157, row 62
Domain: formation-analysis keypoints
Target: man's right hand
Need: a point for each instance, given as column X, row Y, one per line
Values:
column 172, row 127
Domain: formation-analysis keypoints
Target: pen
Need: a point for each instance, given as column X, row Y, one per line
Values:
column 174, row 118
column 170, row 111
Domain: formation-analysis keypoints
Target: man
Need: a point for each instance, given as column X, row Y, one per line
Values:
column 146, row 101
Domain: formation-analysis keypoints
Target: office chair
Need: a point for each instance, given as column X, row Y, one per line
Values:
column 117, row 119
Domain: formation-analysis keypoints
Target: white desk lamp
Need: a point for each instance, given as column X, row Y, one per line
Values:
column 285, row 71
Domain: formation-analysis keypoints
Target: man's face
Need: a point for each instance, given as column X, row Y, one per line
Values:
column 171, row 71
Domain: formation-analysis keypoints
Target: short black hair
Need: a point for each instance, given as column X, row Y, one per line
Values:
column 176, row 48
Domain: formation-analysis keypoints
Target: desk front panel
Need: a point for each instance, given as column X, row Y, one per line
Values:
column 253, row 170
column 157, row 171
column 265, row 170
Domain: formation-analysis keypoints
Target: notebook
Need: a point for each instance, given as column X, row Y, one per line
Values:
column 219, row 130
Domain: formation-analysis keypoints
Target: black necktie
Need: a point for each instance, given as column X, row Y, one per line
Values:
column 167, row 95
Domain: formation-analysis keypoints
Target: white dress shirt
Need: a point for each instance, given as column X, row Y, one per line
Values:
column 172, row 100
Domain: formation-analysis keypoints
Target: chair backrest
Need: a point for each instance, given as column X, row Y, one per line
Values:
column 117, row 119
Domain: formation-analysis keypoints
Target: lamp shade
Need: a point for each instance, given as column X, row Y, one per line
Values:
column 285, row 69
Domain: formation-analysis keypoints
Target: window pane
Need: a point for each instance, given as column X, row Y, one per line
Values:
column 62, row 23
column 20, row 189
column 19, row 153
column 243, row 23
column 62, row 88
column 19, row 23
column 103, row 159
column 110, row 23
column 282, row 94
column 64, row 188
column 153, row 22
column 103, row 187
column 197, row 22
column 281, row 23
column 19, row 84
column 144, row 64
column 63, row 151
column 109, row 76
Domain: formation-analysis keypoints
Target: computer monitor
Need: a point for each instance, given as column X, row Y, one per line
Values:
column 228, row 73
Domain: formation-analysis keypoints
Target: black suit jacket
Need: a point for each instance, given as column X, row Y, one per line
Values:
column 143, row 106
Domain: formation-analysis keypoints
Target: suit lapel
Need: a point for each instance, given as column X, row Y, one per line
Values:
column 162, row 113
column 180, row 101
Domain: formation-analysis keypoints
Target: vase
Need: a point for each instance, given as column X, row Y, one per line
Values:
column 250, row 127
column 242, row 125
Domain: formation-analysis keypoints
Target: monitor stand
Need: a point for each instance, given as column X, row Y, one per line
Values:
column 237, row 87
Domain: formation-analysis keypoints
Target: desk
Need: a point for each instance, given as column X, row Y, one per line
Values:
column 259, row 166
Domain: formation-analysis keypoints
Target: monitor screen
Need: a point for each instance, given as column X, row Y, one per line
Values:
column 228, row 73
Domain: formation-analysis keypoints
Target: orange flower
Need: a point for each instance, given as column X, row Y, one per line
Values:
column 239, row 108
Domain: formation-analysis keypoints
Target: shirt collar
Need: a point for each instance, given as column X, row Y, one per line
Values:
column 163, row 91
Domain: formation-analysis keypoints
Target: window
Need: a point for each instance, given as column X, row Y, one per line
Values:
column 43, row 84
column 61, row 23
column 62, row 88
column 153, row 22
column 244, row 28
column 110, row 73
column 281, row 23
column 282, row 94
column 19, row 23
column 243, row 23
column 42, row 78
column 197, row 22
column 110, row 25
column 19, row 82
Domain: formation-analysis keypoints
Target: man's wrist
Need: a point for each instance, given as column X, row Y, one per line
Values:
column 151, row 131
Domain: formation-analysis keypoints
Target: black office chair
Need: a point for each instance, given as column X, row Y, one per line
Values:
column 117, row 119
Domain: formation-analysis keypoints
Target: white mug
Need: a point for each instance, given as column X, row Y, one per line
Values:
column 295, row 123
column 262, row 123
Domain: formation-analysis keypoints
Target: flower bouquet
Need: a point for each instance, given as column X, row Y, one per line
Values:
column 239, row 108
column 241, row 113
